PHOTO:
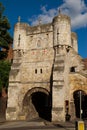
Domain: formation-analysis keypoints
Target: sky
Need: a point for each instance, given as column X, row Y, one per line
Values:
column 30, row 11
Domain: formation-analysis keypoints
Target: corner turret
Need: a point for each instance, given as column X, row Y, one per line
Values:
column 61, row 31
column 20, row 38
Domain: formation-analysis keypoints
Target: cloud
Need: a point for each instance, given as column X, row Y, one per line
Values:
column 76, row 9
column 45, row 17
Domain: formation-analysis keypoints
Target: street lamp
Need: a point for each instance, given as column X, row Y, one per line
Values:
column 80, row 105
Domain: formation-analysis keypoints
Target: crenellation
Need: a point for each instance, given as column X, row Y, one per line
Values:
column 45, row 28
column 61, row 17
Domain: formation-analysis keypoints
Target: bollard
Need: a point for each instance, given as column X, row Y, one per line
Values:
column 80, row 125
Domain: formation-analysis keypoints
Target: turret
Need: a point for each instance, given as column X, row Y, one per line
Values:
column 61, row 31
column 74, row 41
column 20, row 38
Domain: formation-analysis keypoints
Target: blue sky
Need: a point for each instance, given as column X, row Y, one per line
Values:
column 31, row 10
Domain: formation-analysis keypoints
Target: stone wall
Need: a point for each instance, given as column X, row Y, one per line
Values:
column 44, row 57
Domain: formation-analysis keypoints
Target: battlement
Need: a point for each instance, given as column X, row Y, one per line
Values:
column 43, row 28
column 20, row 25
column 53, row 34
column 61, row 17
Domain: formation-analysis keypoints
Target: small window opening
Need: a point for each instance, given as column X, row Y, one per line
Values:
column 72, row 69
column 47, row 34
column 35, row 71
column 68, row 49
column 19, row 38
column 31, row 36
column 41, row 71
column 58, row 32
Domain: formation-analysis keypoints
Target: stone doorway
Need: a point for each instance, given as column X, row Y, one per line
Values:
column 76, row 96
column 37, row 104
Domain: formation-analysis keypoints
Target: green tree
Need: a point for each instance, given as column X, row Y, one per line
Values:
column 4, row 73
column 5, row 37
column 5, row 41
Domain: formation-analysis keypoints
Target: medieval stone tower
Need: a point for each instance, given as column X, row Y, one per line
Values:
column 46, row 72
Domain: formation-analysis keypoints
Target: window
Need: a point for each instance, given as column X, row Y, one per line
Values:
column 35, row 71
column 68, row 49
column 72, row 69
column 47, row 35
column 19, row 37
column 41, row 71
column 31, row 37
column 19, row 40
column 57, row 31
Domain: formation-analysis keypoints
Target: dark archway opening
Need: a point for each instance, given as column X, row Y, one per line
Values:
column 76, row 96
column 42, row 104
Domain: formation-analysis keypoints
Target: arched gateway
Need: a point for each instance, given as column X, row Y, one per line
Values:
column 45, row 72
column 37, row 103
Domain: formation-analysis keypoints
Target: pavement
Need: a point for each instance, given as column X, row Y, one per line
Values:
column 16, row 124
column 38, row 124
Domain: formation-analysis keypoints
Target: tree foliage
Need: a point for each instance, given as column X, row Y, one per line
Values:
column 5, row 41
column 5, row 37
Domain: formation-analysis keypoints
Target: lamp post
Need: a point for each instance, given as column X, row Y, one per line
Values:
column 80, row 105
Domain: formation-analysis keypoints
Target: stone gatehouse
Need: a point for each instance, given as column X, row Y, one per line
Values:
column 47, row 72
